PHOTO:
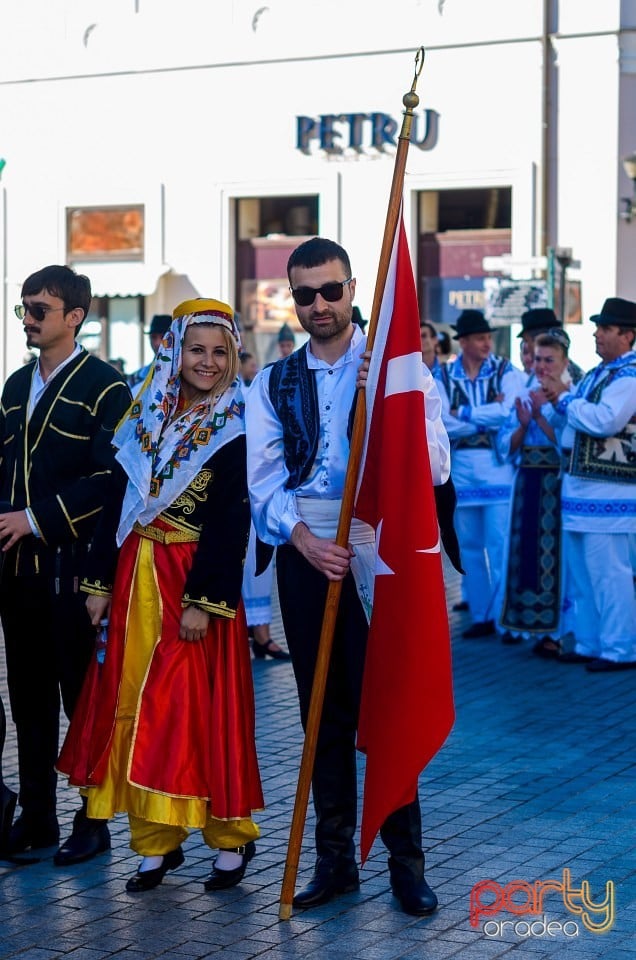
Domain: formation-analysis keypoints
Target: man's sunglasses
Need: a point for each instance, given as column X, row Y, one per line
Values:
column 331, row 292
column 37, row 311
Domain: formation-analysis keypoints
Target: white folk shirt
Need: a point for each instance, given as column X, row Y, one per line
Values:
column 274, row 507
column 480, row 476
column 596, row 506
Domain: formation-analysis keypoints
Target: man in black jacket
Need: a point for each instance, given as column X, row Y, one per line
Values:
column 57, row 419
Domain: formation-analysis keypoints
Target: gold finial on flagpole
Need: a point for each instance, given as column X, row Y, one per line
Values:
column 411, row 100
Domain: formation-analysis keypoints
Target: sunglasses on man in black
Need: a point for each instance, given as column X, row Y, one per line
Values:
column 37, row 310
column 331, row 292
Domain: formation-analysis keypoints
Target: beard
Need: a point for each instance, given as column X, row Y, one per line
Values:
column 328, row 324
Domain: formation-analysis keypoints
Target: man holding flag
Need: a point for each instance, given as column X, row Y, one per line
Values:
column 298, row 419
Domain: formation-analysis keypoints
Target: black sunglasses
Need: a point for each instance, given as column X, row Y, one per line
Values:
column 331, row 292
column 37, row 311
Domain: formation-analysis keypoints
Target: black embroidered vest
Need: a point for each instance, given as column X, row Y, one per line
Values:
column 293, row 393
column 610, row 459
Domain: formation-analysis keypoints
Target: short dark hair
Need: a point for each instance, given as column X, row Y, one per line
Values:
column 60, row 281
column 431, row 328
column 315, row 252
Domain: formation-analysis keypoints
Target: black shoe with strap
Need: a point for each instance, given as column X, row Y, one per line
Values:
column 269, row 649
column 219, row 879
column 330, row 879
column 149, row 879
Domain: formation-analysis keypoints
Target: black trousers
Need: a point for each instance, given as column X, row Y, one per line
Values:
column 302, row 592
column 49, row 641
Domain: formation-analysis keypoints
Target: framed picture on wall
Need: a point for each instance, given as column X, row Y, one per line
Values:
column 105, row 233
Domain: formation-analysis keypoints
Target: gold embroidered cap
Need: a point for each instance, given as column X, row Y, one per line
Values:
column 203, row 309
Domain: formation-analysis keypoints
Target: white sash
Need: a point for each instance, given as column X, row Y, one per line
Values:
column 321, row 516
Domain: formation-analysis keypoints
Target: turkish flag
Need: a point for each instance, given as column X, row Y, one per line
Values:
column 407, row 707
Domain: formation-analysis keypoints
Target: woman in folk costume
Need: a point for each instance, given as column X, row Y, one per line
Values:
column 165, row 725
column 534, row 570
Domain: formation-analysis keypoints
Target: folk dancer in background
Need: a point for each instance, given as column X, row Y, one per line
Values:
column 534, row 322
column 533, row 569
column 478, row 391
column 598, row 498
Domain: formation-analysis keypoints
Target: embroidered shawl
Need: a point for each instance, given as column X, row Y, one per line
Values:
column 162, row 450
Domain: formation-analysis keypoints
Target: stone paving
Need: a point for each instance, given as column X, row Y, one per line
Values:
column 538, row 778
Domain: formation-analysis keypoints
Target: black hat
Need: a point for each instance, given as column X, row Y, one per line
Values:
column 470, row 321
column 539, row 320
column 616, row 312
column 160, row 323
column 286, row 334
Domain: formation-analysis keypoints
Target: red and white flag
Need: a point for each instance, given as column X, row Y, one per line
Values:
column 407, row 707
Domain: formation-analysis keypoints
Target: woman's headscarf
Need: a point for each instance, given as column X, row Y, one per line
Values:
column 160, row 449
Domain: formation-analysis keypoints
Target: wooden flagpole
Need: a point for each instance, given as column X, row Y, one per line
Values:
column 410, row 101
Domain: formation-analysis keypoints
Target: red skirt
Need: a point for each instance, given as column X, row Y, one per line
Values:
column 184, row 711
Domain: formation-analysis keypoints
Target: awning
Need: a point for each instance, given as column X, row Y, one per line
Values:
column 122, row 279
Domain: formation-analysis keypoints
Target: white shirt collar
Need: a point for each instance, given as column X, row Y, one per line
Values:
column 314, row 363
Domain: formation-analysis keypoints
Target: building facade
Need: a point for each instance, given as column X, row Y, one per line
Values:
column 170, row 152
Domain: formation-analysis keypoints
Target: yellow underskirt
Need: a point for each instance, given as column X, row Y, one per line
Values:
column 116, row 794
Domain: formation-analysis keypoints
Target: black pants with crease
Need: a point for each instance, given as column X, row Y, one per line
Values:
column 302, row 592
column 49, row 641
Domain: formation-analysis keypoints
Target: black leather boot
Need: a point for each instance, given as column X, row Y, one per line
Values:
column 330, row 878
column 88, row 838
column 402, row 835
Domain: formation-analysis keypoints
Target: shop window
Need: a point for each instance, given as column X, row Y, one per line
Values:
column 457, row 229
column 474, row 209
column 275, row 216
column 114, row 331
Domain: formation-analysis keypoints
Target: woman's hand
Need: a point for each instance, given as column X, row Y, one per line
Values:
column 98, row 608
column 553, row 387
column 194, row 624
column 537, row 399
column 524, row 413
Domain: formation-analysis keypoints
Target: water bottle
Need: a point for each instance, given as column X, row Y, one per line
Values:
column 101, row 640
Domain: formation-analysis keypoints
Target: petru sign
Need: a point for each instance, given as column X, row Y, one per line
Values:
column 522, row 899
column 336, row 132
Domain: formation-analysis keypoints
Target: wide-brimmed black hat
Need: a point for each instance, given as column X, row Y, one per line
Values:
column 616, row 312
column 470, row 321
column 160, row 323
column 539, row 320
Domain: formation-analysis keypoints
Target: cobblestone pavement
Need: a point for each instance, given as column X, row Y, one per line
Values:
column 536, row 779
